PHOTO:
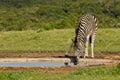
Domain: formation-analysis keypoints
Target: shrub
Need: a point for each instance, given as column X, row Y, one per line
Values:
column 35, row 14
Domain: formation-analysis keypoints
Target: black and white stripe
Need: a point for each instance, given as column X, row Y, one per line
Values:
column 87, row 25
column 85, row 32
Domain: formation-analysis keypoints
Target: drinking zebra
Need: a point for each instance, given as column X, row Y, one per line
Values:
column 85, row 32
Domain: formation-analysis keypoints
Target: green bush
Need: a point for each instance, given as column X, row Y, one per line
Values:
column 37, row 14
column 117, row 25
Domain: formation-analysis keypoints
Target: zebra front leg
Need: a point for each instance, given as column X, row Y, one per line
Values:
column 86, row 47
column 86, row 50
column 66, row 54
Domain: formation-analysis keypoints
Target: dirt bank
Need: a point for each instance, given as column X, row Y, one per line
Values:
column 59, row 54
column 113, row 56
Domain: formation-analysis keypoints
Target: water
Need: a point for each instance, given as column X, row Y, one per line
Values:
column 46, row 63
column 34, row 64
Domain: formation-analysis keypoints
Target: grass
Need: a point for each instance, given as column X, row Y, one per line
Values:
column 98, row 73
column 107, row 40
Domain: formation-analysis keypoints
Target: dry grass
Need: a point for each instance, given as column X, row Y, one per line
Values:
column 107, row 40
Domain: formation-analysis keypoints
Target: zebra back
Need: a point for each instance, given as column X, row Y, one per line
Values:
column 86, row 25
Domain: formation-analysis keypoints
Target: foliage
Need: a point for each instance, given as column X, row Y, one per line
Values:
column 55, row 14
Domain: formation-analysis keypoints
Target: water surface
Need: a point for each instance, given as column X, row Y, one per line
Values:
column 47, row 63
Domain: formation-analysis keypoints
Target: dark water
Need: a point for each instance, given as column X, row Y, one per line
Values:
column 46, row 64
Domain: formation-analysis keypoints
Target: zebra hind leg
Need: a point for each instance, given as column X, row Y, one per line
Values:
column 92, row 45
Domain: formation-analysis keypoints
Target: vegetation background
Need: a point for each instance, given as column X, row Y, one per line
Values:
column 56, row 14
column 22, row 25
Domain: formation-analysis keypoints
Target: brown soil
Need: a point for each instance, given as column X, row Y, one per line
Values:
column 114, row 56
column 59, row 69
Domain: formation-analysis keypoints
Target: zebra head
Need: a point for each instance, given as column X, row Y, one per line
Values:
column 77, row 47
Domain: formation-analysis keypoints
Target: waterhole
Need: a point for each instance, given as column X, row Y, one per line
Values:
column 50, row 62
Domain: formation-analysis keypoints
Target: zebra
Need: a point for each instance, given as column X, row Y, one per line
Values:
column 85, row 32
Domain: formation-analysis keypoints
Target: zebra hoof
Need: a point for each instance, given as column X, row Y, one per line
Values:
column 66, row 56
column 81, row 56
column 66, row 63
column 85, row 56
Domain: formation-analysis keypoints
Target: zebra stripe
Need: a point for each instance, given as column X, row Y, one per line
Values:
column 85, row 32
column 86, row 28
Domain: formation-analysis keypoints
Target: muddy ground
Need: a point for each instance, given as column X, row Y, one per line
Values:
column 60, row 54
column 109, row 55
